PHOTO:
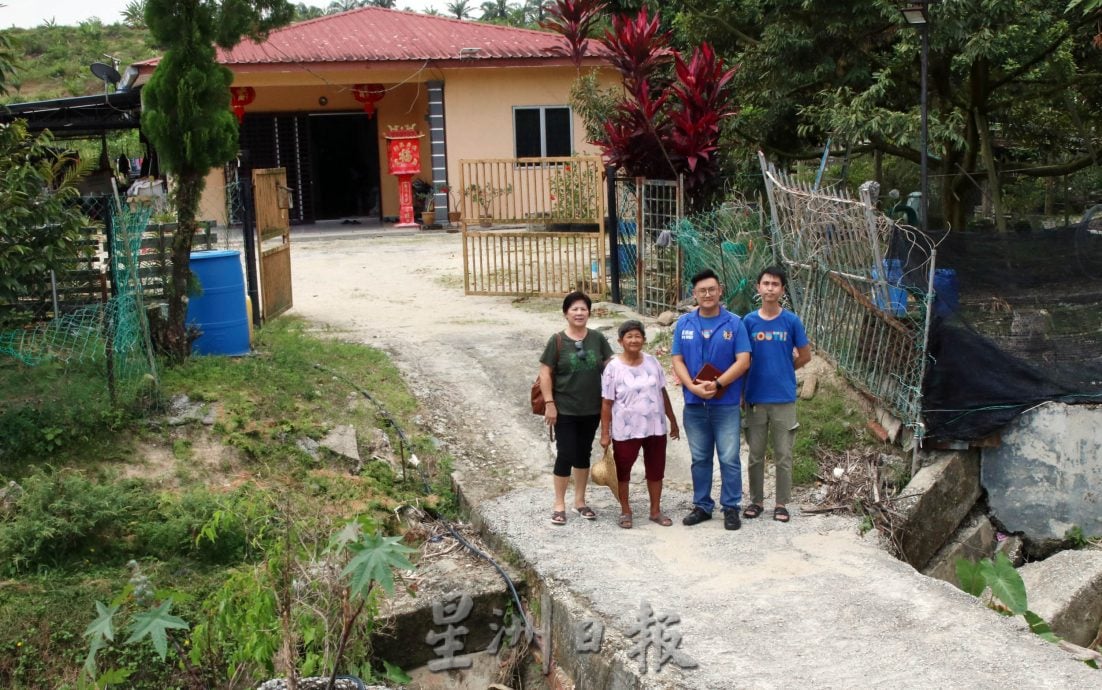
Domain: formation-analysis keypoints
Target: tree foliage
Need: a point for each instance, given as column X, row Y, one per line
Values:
column 40, row 221
column 1013, row 84
column 186, row 115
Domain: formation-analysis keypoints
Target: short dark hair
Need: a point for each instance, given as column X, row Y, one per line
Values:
column 704, row 275
column 574, row 297
column 632, row 325
column 776, row 272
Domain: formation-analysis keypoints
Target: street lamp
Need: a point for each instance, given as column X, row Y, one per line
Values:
column 917, row 15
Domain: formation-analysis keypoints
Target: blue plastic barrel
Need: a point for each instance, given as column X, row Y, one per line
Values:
column 219, row 313
column 946, row 291
column 897, row 295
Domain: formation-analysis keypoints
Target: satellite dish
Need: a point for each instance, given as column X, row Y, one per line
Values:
column 107, row 73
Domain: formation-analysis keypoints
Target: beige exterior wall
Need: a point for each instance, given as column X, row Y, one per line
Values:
column 478, row 107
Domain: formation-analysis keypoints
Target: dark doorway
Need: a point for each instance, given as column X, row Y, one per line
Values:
column 345, row 166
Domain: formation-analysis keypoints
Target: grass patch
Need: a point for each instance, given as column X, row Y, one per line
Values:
column 65, row 542
column 830, row 421
column 58, row 413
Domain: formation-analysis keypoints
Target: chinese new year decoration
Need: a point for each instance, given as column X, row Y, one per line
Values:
column 241, row 96
column 403, row 158
column 369, row 95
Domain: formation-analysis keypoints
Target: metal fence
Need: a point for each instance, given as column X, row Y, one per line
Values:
column 648, row 212
column 862, row 285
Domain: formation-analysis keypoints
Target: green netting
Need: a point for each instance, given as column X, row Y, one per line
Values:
column 113, row 335
column 732, row 242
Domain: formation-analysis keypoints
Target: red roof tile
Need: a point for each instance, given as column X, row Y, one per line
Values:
column 374, row 34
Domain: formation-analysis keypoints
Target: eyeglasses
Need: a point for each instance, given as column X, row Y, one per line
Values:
column 579, row 350
column 704, row 292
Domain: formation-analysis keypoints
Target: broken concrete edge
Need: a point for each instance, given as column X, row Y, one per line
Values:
column 1066, row 591
column 974, row 540
column 608, row 670
column 935, row 502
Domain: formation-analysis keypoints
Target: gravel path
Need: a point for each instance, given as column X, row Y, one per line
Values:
column 809, row 604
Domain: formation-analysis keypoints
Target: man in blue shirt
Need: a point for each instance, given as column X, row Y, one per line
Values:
column 710, row 354
column 779, row 347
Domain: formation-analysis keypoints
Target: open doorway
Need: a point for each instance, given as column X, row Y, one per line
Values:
column 345, row 166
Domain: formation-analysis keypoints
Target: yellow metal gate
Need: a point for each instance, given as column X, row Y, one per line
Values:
column 273, row 240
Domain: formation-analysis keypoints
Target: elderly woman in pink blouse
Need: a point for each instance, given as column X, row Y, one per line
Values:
column 634, row 410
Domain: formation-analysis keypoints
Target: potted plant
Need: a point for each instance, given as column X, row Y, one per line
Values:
column 427, row 196
column 574, row 196
column 484, row 195
column 454, row 214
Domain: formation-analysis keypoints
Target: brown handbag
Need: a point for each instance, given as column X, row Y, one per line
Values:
column 539, row 405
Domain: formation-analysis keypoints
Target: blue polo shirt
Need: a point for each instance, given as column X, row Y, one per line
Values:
column 716, row 340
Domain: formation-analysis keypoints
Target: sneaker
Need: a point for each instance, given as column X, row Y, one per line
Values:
column 731, row 519
column 696, row 517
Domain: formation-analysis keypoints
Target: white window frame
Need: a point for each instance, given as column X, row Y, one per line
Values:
column 543, row 126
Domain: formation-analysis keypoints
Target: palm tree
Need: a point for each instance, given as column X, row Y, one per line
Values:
column 7, row 63
column 343, row 6
column 385, row 4
column 495, row 10
column 133, row 15
column 304, row 12
column 460, row 9
column 534, row 11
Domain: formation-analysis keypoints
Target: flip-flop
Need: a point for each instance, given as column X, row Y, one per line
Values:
column 558, row 517
column 780, row 514
column 625, row 520
column 586, row 512
column 661, row 519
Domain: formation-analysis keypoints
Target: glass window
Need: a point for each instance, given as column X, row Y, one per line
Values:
column 542, row 131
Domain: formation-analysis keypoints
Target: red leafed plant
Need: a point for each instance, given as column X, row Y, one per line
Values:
column 700, row 103
column 666, row 124
column 574, row 20
column 639, row 47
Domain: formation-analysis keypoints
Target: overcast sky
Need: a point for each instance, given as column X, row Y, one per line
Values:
column 31, row 13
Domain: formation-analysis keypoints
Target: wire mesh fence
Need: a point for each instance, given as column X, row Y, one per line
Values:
column 862, row 285
column 111, row 336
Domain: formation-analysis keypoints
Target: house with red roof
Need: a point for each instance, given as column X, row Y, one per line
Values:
column 319, row 98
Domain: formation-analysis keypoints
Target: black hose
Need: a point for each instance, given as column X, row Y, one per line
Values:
column 403, row 440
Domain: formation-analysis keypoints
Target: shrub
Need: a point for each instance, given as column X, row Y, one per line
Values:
column 63, row 515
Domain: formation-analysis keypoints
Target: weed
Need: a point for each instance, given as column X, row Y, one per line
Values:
column 1075, row 537
column 64, row 414
column 828, row 422
column 1006, row 593
column 181, row 449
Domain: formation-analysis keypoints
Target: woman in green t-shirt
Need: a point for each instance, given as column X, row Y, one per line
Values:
column 570, row 376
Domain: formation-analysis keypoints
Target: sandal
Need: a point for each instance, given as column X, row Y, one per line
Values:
column 752, row 511
column 558, row 517
column 586, row 512
column 625, row 520
column 661, row 519
column 780, row 514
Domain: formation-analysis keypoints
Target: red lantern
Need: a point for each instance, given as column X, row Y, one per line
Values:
column 241, row 96
column 369, row 95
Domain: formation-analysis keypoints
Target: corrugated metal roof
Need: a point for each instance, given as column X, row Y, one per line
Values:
column 374, row 34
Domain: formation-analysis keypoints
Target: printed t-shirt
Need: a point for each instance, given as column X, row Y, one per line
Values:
column 772, row 376
column 577, row 379
column 638, row 409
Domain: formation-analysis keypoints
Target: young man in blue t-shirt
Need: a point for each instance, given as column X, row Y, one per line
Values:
column 710, row 355
column 778, row 346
